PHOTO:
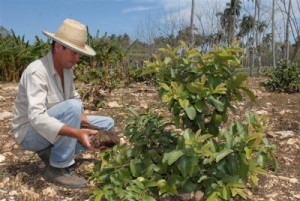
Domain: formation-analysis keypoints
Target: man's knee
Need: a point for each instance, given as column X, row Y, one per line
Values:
column 105, row 122
column 74, row 105
column 110, row 123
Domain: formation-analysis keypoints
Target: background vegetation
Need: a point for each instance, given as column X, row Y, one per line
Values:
column 267, row 37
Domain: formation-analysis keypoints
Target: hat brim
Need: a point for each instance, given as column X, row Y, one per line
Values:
column 87, row 50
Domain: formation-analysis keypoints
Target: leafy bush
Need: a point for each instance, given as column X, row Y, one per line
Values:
column 285, row 78
column 157, row 161
column 131, row 171
column 199, row 88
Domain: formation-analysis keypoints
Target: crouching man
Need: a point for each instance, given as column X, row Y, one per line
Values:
column 48, row 111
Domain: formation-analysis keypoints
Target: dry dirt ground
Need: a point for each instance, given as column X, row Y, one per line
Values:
column 21, row 172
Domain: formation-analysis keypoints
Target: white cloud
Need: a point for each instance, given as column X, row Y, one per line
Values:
column 137, row 9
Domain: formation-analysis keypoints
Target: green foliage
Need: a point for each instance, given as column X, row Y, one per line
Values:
column 285, row 78
column 131, row 172
column 199, row 88
column 157, row 161
column 16, row 54
column 160, row 162
column 135, row 75
column 110, row 65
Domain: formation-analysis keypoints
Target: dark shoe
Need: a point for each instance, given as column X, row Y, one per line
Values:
column 63, row 177
column 45, row 155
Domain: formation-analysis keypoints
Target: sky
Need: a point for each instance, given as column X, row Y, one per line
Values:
column 29, row 18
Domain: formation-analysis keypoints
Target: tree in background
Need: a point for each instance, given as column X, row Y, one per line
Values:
column 228, row 18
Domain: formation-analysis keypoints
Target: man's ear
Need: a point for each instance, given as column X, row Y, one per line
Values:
column 58, row 47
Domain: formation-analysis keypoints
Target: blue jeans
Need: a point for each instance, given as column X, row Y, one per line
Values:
column 64, row 148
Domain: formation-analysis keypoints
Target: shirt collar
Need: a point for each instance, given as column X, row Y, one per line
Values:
column 49, row 58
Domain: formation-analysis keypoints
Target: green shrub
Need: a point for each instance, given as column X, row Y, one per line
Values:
column 285, row 78
column 157, row 161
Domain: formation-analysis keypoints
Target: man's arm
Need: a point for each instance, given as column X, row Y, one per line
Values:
column 84, row 118
column 83, row 135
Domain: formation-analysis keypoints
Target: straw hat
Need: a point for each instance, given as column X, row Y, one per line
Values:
column 73, row 35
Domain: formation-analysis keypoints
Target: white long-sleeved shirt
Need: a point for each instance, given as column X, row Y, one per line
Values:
column 39, row 89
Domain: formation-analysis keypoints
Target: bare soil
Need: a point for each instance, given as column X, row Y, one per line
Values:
column 21, row 171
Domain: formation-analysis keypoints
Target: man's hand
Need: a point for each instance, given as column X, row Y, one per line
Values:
column 82, row 134
column 104, row 138
column 84, row 138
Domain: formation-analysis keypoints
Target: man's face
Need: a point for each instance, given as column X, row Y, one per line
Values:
column 68, row 57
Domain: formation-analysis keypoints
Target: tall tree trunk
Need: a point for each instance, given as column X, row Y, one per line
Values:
column 287, row 31
column 296, row 28
column 233, row 23
column 192, row 24
column 297, row 46
column 254, row 40
column 273, row 36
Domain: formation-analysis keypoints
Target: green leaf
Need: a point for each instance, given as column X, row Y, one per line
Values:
column 188, row 166
column 232, row 164
column 213, row 197
column 254, row 179
column 225, row 193
column 172, row 156
column 201, row 107
column 184, row 45
column 214, row 146
column 135, row 136
column 229, row 140
column 238, row 191
column 132, row 111
column 189, row 186
column 149, row 170
column 135, row 168
column 220, row 89
column 149, row 183
column 149, row 198
column 218, row 104
column 236, row 81
column 249, row 93
column 99, row 195
column 203, row 138
column 191, row 112
column 250, row 117
column 275, row 163
column 248, row 153
column 237, row 184
column 167, row 60
column 184, row 103
column 193, row 53
column 203, row 178
column 222, row 154
column 166, row 98
column 188, row 134
column 184, row 166
column 206, row 151
column 165, row 86
column 259, row 170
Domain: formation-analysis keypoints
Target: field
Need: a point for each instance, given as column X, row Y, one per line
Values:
column 21, row 171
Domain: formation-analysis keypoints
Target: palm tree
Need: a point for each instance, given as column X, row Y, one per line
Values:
column 246, row 27
column 228, row 18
